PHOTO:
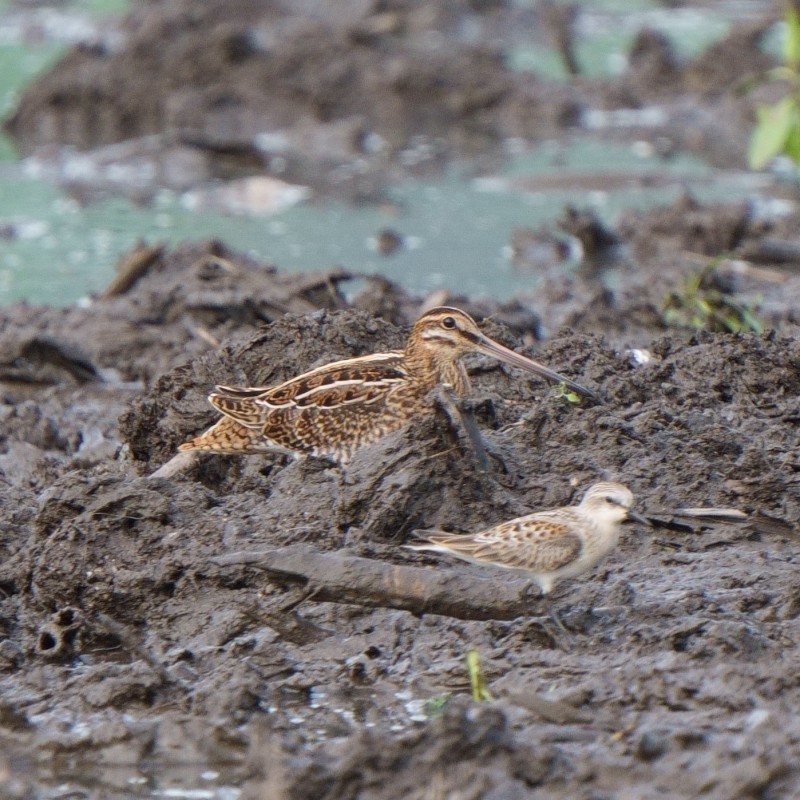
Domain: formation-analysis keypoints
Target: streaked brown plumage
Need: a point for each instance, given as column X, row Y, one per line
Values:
column 335, row 409
column 547, row 546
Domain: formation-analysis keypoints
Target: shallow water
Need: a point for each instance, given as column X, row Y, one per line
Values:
column 456, row 231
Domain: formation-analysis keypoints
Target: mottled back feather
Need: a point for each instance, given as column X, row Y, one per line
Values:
column 541, row 545
column 353, row 380
column 548, row 545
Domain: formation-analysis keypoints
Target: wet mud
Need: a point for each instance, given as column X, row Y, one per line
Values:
column 257, row 615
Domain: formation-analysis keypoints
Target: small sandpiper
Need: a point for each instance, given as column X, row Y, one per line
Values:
column 547, row 546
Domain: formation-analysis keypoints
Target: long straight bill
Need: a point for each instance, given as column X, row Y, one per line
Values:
column 492, row 348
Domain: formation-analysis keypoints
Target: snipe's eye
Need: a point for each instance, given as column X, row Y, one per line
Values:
column 448, row 322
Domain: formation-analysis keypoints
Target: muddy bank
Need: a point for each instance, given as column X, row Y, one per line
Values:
column 136, row 630
column 346, row 101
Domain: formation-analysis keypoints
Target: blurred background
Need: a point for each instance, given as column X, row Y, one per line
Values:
column 451, row 145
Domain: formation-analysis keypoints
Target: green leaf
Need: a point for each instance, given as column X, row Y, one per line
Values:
column 792, row 144
column 782, row 74
column 434, row 706
column 772, row 130
column 791, row 47
column 562, row 393
column 750, row 320
column 703, row 307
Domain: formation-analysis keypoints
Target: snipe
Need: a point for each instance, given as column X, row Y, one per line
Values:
column 335, row 409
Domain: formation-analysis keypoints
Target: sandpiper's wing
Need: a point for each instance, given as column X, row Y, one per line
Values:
column 363, row 380
column 541, row 542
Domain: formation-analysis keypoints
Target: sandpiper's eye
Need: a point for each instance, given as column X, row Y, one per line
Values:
column 448, row 322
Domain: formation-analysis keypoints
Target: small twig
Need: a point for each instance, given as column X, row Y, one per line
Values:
column 131, row 269
column 719, row 514
column 436, row 455
column 203, row 333
column 180, row 462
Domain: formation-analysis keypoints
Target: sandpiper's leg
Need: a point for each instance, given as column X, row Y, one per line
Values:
column 562, row 642
column 565, row 640
column 467, row 408
column 527, row 596
column 554, row 616
column 543, row 598
column 341, row 504
column 564, row 637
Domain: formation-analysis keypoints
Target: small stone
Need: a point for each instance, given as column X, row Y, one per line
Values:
column 652, row 745
column 388, row 241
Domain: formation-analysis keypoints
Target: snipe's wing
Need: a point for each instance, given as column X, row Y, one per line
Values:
column 355, row 381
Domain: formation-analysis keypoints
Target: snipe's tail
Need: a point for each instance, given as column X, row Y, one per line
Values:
column 239, row 404
column 228, row 437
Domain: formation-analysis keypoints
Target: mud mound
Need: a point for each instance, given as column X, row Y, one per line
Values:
column 262, row 84
column 707, row 257
column 165, row 306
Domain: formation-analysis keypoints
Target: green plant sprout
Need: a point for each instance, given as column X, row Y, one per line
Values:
column 435, row 705
column 476, row 680
column 777, row 130
column 700, row 304
column 560, row 392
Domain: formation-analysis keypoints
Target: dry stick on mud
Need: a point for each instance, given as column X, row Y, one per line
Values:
column 339, row 578
column 133, row 267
